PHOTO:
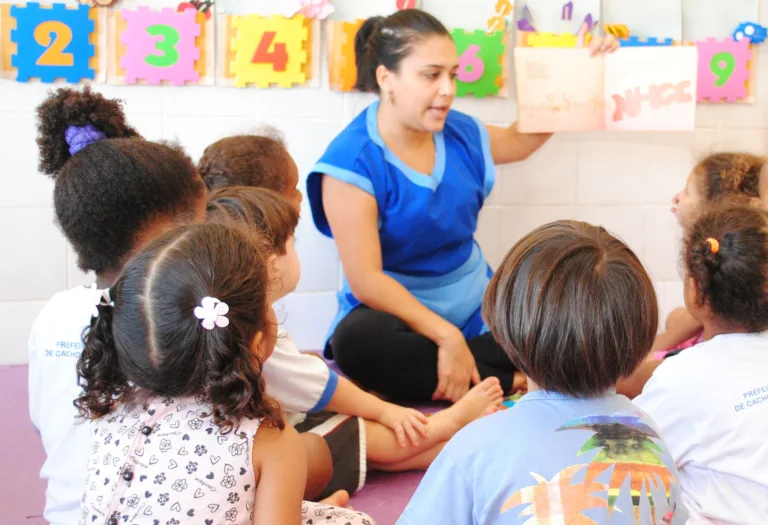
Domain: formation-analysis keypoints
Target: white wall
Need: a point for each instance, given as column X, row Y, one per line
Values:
column 623, row 181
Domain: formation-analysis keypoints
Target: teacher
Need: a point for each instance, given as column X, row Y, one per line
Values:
column 400, row 190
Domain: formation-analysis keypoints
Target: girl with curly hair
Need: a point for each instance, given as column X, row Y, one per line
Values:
column 732, row 176
column 172, row 379
column 711, row 401
column 113, row 191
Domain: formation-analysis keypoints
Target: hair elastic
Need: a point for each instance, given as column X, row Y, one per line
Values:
column 714, row 244
column 78, row 137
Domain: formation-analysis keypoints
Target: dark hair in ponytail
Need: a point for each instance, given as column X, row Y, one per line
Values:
column 387, row 41
column 150, row 341
column 726, row 254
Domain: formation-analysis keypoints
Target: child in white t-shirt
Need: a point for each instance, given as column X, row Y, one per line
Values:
column 361, row 430
column 113, row 192
column 711, row 401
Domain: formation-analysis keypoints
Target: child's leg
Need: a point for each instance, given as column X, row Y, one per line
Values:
column 319, row 464
column 385, row 453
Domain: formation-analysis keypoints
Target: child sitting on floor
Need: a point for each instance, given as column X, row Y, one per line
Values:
column 182, row 429
column 575, row 310
column 711, row 401
column 360, row 428
column 113, row 192
column 718, row 176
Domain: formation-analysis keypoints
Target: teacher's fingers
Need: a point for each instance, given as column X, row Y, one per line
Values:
column 475, row 376
column 442, row 385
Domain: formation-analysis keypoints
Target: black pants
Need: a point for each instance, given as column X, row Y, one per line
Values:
column 384, row 355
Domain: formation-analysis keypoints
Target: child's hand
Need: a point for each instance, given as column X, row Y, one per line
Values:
column 404, row 422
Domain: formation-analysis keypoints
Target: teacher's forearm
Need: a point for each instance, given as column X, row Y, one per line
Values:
column 529, row 142
column 379, row 291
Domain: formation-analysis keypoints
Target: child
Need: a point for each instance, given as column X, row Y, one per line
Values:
column 113, row 192
column 261, row 161
column 718, row 176
column 717, row 430
column 171, row 370
column 366, row 430
column 571, row 450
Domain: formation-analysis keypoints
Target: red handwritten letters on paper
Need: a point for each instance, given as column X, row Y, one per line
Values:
column 658, row 95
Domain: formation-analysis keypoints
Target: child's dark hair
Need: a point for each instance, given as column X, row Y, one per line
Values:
column 387, row 41
column 151, row 341
column 726, row 254
column 573, row 308
column 728, row 174
column 271, row 213
column 246, row 160
column 109, row 182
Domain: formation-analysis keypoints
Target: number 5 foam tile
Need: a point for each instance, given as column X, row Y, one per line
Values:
column 52, row 44
column 724, row 70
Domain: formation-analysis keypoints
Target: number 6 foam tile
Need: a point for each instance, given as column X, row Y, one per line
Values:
column 160, row 46
column 480, row 62
column 52, row 43
column 724, row 70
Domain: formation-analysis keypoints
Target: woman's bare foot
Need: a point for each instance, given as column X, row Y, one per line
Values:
column 340, row 498
column 483, row 399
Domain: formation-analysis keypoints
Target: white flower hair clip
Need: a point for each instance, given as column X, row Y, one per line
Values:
column 213, row 313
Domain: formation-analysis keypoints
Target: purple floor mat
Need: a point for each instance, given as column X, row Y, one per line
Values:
column 385, row 496
column 22, row 495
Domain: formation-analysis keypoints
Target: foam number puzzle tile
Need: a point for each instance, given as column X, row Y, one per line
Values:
column 52, row 42
column 724, row 70
column 269, row 51
column 160, row 46
column 553, row 40
column 634, row 41
column 341, row 49
column 480, row 62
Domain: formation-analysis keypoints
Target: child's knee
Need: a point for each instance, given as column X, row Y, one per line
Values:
column 675, row 317
column 319, row 464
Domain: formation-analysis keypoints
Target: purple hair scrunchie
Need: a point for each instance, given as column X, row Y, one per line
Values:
column 78, row 137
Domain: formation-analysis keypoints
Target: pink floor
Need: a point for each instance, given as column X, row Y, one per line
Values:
column 22, row 491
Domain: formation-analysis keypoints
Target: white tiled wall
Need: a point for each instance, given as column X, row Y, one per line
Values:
column 623, row 181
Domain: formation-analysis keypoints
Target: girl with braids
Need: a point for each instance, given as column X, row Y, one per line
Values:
column 113, row 192
column 717, row 176
column 182, row 429
column 711, row 401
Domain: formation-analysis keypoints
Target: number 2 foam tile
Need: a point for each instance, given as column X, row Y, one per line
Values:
column 735, row 87
column 140, row 45
column 291, row 32
column 28, row 50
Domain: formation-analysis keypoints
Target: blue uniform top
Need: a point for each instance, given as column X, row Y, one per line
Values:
column 426, row 222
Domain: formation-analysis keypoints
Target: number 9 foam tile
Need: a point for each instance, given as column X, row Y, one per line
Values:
column 51, row 43
column 724, row 70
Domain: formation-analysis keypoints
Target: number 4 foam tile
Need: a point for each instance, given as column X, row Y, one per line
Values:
column 52, row 43
column 160, row 46
column 724, row 70
column 276, row 56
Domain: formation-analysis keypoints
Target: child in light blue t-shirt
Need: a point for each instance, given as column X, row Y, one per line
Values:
column 574, row 309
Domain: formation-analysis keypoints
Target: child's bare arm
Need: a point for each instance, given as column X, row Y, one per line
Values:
column 680, row 329
column 280, row 466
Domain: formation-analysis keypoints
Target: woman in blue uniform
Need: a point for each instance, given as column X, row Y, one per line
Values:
column 400, row 190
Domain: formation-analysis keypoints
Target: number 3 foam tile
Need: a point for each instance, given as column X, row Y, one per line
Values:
column 50, row 43
column 269, row 51
column 480, row 62
column 160, row 46
column 724, row 70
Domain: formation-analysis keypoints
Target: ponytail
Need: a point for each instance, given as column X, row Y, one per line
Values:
column 387, row 41
column 98, row 369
